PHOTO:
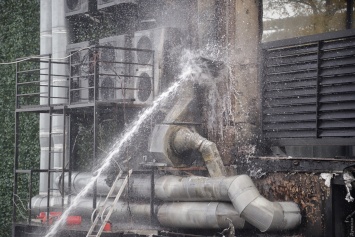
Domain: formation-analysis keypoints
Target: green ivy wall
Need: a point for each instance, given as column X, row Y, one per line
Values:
column 19, row 36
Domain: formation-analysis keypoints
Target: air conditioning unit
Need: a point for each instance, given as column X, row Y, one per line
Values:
column 113, row 68
column 76, row 7
column 143, row 88
column 79, row 71
column 162, row 41
column 108, row 3
column 137, row 89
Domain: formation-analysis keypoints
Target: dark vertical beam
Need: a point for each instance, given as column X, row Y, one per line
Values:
column 94, row 152
column 14, row 195
column 70, row 158
column 95, row 115
column 152, row 196
column 49, row 79
column 64, row 151
column 70, row 79
column 260, row 19
column 329, row 218
column 262, row 82
column 261, row 74
column 30, row 197
column 16, row 151
column 349, row 14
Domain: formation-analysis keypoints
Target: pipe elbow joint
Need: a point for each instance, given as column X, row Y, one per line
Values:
column 186, row 140
column 260, row 212
column 212, row 159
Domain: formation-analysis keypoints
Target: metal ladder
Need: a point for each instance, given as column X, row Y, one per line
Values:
column 102, row 209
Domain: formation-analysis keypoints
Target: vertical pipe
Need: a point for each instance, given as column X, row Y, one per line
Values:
column 59, row 79
column 63, row 160
column 152, row 196
column 95, row 128
column 45, row 49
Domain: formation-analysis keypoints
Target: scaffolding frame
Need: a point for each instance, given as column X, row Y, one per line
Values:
column 71, row 107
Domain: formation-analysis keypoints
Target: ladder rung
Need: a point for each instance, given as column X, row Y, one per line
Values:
column 111, row 207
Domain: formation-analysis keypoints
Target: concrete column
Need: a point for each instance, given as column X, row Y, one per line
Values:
column 243, row 34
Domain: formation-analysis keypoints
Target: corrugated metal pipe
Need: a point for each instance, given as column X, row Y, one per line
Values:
column 184, row 140
column 239, row 190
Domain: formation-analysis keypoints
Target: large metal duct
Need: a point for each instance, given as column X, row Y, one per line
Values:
column 199, row 215
column 202, row 215
column 122, row 213
column 139, row 186
column 239, row 190
column 45, row 48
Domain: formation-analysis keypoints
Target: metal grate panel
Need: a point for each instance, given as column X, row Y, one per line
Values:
column 309, row 87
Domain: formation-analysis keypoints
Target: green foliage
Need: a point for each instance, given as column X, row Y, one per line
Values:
column 19, row 37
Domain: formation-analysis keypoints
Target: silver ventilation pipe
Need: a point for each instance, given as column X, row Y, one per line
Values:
column 170, row 142
column 239, row 190
column 184, row 140
column 199, row 215
column 202, row 215
column 45, row 48
column 139, row 186
column 60, row 83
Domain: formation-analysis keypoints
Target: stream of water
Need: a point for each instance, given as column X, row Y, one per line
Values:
column 189, row 71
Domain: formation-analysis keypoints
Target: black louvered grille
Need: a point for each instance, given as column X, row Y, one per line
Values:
column 309, row 89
